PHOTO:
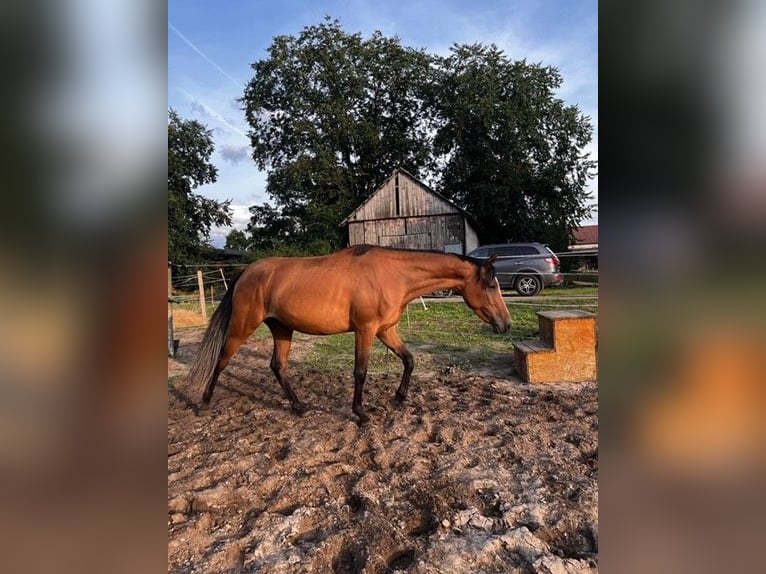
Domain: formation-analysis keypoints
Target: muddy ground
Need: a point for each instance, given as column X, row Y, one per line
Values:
column 476, row 472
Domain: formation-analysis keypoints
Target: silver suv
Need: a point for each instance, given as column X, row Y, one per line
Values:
column 525, row 267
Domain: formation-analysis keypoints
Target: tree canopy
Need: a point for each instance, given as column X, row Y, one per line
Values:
column 332, row 114
column 513, row 151
column 237, row 240
column 190, row 215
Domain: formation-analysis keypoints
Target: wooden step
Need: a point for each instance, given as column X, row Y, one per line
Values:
column 566, row 351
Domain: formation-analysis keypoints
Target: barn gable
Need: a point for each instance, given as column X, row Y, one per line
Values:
column 402, row 195
column 404, row 212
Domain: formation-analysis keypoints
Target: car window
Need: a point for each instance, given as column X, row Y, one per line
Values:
column 527, row 250
column 507, row 251
column 482, row 253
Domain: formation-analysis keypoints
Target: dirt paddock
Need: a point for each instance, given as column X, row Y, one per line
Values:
column 474, row 473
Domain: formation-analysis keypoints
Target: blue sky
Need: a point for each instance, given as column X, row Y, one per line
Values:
column 212, row 44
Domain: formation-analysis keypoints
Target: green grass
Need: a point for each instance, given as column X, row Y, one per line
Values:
column 575, row 291
column 444, row 333
column 447, row 332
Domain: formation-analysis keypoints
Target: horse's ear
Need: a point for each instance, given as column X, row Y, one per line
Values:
column 487, row 270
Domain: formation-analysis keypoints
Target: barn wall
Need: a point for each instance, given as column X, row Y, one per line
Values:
column 415, row 200
column 381, row 205
column 356, row 233
column 471, row 238
column 435, row 232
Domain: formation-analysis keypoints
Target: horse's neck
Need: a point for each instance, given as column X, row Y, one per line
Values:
column 434, row 272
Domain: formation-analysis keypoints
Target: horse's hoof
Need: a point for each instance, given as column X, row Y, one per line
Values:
column 363, row 419
column 299, row 408
column 399, row 399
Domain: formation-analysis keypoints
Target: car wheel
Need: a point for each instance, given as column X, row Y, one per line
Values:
column 442, row 293
column 528, row 285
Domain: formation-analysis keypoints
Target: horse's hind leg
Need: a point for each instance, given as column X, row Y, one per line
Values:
column 239, row 331
column 283, row 340
column 390, row 338
column 229, row 348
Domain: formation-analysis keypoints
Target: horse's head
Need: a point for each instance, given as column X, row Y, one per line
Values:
column 482, row 294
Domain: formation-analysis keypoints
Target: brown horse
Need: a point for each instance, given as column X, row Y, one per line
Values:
column 364, row 289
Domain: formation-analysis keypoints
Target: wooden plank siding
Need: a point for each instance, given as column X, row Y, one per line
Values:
column 402, row 196
column 403, row 212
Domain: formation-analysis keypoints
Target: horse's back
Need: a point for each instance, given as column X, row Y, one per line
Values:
column 316, row 295
column 345, row 266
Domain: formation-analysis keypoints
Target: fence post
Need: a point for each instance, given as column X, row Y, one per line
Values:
column 225, row 286
column 202, row 295
column 171, row 337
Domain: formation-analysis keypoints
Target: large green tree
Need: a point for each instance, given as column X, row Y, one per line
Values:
column 332, row 114
column 513, row 153
column 237, row 240
column 190, row 215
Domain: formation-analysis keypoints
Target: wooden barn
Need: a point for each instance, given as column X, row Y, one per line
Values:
column 404, row 212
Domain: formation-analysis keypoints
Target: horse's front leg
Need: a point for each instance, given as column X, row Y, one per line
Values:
column 363, row 346
column 283, row 340
column 390, row 338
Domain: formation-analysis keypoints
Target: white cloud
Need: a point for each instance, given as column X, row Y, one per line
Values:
column 239, row 219
column 240, row 216
column 235, row 154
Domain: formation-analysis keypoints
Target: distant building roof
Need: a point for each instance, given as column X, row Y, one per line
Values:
column 585, row 237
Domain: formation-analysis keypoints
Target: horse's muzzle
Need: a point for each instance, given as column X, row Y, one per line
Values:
column 503, row 327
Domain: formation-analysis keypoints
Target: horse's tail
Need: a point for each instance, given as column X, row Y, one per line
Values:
column 214, row 339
